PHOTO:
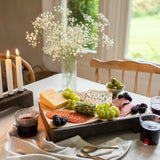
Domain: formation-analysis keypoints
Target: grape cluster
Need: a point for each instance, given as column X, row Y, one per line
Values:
column 141, row 108
column 72, row 98
column 59, row 121
column 115, row 84
column 107, row 110
column 126, row 96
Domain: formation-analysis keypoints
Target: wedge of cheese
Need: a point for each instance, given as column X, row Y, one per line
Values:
column 52, row 99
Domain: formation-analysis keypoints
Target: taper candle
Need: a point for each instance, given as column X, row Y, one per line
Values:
column 19, row 71
column 1, row 85
column 9, row 74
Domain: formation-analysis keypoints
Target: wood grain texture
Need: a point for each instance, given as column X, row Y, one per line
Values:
column 23, row 99
column 126, row 66
column 89, row 129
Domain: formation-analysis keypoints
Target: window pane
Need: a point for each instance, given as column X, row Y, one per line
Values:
column 80, row 7
column 144, row 36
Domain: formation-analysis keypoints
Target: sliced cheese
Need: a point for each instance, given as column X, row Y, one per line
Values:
column 52, row 99
column 102, row 96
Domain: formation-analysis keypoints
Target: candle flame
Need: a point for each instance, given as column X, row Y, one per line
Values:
column 17, row 52
column 8, row 53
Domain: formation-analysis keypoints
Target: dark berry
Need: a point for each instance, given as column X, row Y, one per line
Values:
column 120, row 96
column 128, row 97
column 144, row 105
column 134, row 109
column 125, row 93
column 64, row 120
column 142, row 109
column 57, row 120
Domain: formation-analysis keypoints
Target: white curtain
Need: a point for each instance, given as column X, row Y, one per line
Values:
column 118, row 14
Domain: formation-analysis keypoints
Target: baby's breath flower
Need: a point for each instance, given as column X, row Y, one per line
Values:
column 66, row 43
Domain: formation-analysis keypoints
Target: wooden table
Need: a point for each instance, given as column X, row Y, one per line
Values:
column 138, row 150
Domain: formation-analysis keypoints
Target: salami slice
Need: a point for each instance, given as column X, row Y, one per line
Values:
column 126, row 110
column 119, row 103
column 72, row 116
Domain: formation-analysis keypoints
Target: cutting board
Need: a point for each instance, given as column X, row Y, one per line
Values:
column 93, row 127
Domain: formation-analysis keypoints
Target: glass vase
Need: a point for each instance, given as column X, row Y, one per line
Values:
column 69, row 74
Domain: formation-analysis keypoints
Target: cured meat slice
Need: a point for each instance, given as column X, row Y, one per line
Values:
column 125, row 110
column 119, row 103
column 72, row 116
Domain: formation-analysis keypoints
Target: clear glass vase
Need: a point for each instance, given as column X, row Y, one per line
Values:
column 69, row 74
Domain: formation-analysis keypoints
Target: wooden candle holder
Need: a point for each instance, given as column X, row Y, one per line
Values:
column 23, row 99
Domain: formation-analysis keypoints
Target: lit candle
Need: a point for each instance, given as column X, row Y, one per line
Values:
column 19, row 71
column 1, row 87
column 9, row 75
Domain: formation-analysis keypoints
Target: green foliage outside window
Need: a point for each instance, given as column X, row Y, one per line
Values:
column 80, row 7
column 144, row 36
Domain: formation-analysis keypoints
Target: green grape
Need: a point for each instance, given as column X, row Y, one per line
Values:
column 106, row 114
column 62, row 94
column 114, row 87
column 101, row 113
column 73, row 102
column 68, row 89
column 99, row 107
column 110, row 117
column 112, row 112
column 72, row 106
column 116, row 110
column 72, row 96
column 77, row 98
column 114, row 80
column 110, row 85
column 69, row 101
column 66, row 94
column 120, row 86
column 106, row 106
column 68, row 105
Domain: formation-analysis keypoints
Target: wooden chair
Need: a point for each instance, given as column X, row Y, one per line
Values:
column 125, row 65
column 24, row 63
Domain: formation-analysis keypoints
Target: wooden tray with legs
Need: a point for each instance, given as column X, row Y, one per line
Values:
column 96, row 127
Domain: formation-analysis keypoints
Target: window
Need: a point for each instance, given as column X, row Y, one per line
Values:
column 80, row 7
column 144, row 35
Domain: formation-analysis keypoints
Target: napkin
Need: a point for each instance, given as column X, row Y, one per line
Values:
column 12, row 147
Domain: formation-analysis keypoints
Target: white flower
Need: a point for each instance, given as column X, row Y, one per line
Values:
column 66, row 43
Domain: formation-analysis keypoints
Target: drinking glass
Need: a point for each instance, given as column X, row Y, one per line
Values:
column 150, row 127
column 26, row 122
column 155, row 105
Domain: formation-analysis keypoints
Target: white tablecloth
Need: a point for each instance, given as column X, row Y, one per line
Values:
column 138, row 150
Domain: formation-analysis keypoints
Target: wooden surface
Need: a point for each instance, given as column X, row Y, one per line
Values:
column 126, row 65
column 22, row 99
column 92, row 127
column 137, row 151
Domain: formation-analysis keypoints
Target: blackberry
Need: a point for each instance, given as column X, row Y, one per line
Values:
column 135, row 109
column 57, row 120
column 144, row 105
column 127, row 96
column 125, row 93
column 120, row 96
column 142, row 109
column 64, row 120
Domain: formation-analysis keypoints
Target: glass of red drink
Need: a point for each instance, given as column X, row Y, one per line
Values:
column 26, row 122
column 155, row 105
column 150, row 128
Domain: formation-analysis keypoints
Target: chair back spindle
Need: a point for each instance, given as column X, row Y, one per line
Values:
column 125, row 65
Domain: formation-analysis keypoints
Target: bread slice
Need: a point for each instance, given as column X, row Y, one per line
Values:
column 102, row 96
